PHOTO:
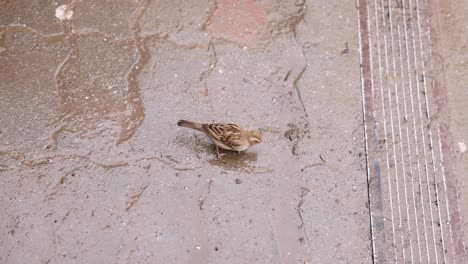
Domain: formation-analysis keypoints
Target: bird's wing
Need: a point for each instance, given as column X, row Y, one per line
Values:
column 234, row 141
column 221, row 131
column 228, row 136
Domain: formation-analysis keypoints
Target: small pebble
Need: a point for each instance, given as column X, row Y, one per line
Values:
column 462, row 147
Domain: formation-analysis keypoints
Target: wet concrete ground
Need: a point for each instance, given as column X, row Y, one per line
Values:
column 94, row 168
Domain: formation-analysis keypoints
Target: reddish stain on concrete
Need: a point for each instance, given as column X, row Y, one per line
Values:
column 239, row 21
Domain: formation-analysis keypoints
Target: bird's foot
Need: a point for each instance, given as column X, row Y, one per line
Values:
column 219, row 157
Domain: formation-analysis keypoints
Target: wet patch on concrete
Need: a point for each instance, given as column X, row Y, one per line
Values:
column 95, row 168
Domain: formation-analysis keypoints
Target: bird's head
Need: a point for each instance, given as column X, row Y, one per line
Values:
column 254, row 137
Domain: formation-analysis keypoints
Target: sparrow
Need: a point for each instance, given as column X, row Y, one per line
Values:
column 226, row 136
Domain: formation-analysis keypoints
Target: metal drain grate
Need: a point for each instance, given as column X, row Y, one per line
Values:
column 415, row 216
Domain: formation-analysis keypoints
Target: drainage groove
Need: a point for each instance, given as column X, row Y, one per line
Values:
column 414, row 210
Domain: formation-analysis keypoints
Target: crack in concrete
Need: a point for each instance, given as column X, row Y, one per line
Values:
column 202, row 199
column 115, row 161
column 135, row 111
column 134, row 198
column 211, row 11
column 291, row 22
column 60, row 126
column 298, row 90
column 68, row 34
column 67, row 28
column 60, row 183
column 49, row 39
column 296, row 134
column 213, row 62
column 157, row 37
column 304, row 192
column 90, row 32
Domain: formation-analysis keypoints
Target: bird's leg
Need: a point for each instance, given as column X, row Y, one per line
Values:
column 219, row 155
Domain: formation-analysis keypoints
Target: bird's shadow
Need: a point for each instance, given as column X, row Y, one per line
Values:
column 233, row 159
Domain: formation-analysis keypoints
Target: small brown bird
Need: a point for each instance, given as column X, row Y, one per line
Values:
column 226, row 136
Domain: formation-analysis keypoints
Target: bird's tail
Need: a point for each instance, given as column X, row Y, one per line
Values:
column 192, row 125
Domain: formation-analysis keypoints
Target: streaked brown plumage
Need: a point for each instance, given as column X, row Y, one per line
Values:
column 226, row 136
